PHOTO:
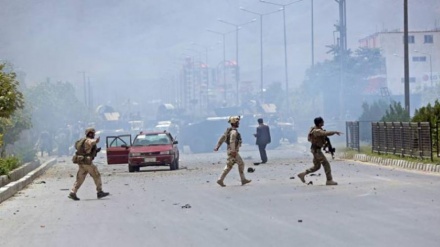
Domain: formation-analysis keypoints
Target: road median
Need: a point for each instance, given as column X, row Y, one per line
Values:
column 22, row 177
column 409, row 165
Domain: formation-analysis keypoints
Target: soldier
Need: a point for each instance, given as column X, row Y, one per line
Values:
column 262, row 139
column 86, row 152
column 233, row 140
column 317, row 137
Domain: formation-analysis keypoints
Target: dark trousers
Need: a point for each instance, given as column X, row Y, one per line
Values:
column 263, row 155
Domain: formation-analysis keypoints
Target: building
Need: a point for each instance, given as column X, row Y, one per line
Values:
column 424, row 59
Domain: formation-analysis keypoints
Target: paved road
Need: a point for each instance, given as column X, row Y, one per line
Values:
column 372, row 206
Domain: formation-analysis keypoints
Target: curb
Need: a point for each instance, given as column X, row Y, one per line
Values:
column 409, row 165
column 10, row 189
column 18, row 173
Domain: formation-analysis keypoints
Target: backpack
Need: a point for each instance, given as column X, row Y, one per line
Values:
column 79, row 146
column 311, row 137
column 78, row 157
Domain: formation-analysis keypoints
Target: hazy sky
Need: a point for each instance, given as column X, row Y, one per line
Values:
column 141, row 43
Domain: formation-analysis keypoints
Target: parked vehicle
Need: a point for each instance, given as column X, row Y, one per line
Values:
column 202, row 136
column 147, row 149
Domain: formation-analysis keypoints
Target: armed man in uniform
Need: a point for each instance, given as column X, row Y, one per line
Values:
column 84, row 156
column 317, row 136
column 233, row 140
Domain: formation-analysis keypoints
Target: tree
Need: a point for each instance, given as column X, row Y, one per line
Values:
column 396, row 113
column 430, row 114
column 341, row 88
column 54, row 105
column 13, row 127
column 11, row 99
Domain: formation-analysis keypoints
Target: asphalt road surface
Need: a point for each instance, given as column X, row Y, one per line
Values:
column 371, row 206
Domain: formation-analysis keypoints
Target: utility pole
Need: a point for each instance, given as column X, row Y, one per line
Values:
column 342, row 54
column 406, row 55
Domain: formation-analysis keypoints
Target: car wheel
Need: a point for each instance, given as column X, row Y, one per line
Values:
column 131, row 168
column 173, row 165
column 177, row 164
column 137, row 168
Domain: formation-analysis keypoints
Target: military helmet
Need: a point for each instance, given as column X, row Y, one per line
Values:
column 88, row 130
column 234, row 119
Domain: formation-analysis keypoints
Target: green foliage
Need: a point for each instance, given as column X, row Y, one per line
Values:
column 11, row 99
column 327, row 80
column 374, row 112
column 8, row 164
column 430, row 114
column 396, row 113
column 13, row 127
column 54, row 105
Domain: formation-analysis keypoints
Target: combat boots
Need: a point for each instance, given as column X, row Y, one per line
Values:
column 73, row 196
column 245, row 181
column 220, row 182
column 102, row 194
column 331, row 182
column 301, row 176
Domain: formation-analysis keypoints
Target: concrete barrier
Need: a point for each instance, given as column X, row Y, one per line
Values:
column 11, row 188
column 18, row 173
column 399, row 163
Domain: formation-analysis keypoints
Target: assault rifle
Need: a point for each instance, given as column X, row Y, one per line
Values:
column 328, row 148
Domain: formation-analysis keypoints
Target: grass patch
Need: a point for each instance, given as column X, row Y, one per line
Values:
column 8, row 164
column 367, row 150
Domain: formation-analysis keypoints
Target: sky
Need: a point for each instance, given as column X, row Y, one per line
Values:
column 132, row 48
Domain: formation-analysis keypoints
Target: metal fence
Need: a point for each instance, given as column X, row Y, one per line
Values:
column 352, row 135
column 411, row 139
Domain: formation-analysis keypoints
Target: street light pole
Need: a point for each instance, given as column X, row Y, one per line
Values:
column 237, row 28
column 285, row 46
column 261, row 46
column 224, row 59
column 313, row 36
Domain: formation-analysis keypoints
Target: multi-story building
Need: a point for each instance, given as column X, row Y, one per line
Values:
column 424, row 58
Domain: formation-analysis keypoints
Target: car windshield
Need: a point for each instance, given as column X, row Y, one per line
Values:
column 152, row 140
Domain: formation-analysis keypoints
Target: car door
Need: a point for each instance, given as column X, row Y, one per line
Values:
column 118, row 148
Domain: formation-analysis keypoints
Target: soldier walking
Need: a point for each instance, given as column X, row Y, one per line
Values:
column 86, row 152
column 233, row 140
column 317, row 136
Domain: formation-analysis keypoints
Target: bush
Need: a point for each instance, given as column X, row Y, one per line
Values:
column 8, row 164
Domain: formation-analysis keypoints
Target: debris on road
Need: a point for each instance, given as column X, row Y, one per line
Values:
column 41, row 182
column 256, row 163
column 310, row 183
column 300, row 221
column 250, row 170
column 313, row 174
column 186, row 206
column 292, row 177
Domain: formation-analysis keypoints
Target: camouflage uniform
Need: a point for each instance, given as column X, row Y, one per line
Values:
column 319, row 158
column 233, row 148
column 86, row 166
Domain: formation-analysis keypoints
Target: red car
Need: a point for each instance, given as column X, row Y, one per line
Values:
column 147, row 149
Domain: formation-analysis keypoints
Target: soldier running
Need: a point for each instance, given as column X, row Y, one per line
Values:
column 317, row 137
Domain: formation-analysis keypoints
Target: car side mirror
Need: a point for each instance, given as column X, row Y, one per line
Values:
column 175, row 142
